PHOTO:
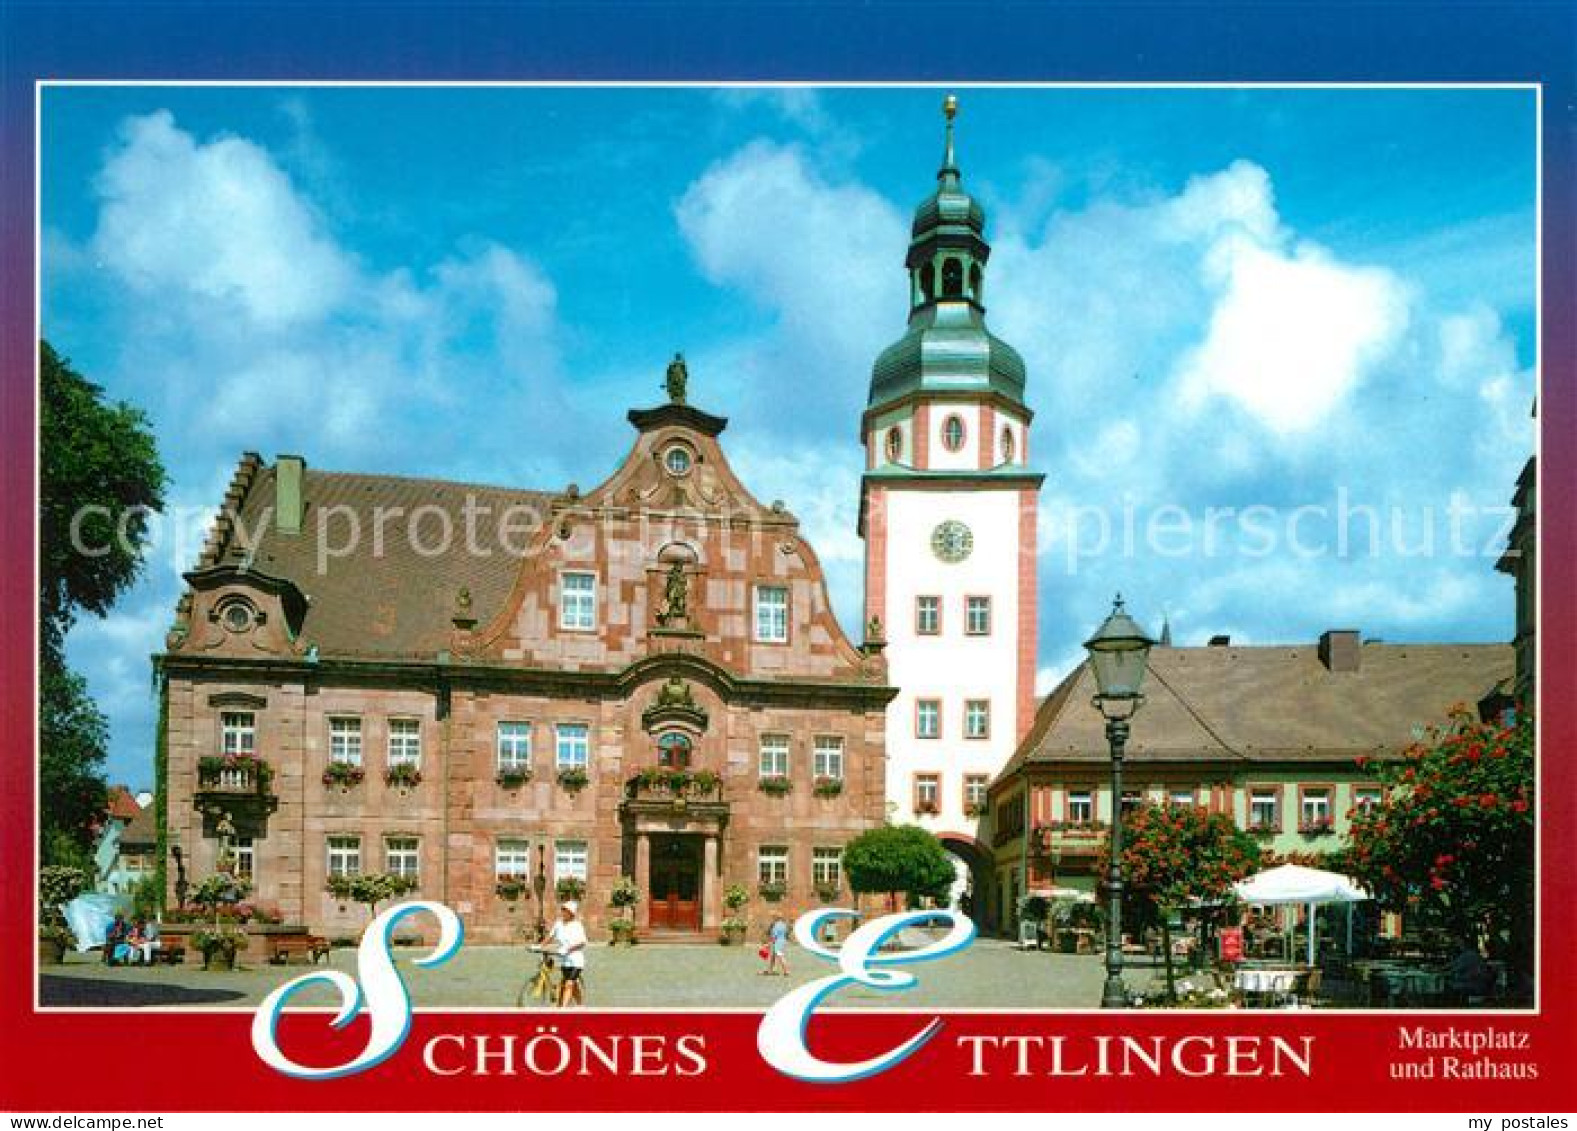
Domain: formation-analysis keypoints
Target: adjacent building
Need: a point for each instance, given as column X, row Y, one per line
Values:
column 492, row 691
column 1272, row 736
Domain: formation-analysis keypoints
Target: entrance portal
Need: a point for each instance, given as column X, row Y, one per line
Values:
column 675, row 883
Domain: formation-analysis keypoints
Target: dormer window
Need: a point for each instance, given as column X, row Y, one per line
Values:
column 236, row 614
column 953, row 433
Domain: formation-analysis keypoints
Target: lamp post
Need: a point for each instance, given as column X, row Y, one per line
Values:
column 540, row 886
column 1118, row 652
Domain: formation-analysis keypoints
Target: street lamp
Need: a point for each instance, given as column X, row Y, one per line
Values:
column 540, row 885
column 1118, row 653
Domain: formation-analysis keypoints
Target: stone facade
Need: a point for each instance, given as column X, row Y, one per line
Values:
column 665, row 622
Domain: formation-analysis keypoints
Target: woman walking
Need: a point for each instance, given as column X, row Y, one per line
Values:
column 777, row 947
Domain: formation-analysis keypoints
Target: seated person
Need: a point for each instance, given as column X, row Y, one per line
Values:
column 144, row 941
column 1470, row 975
column 115, row 939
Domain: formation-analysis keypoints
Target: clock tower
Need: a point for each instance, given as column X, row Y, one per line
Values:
column 948, row 508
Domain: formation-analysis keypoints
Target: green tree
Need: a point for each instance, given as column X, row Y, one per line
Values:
column 370, row 889
column 1451, row 841
column 1175, row 856
column 898, row 858
column 100, row 479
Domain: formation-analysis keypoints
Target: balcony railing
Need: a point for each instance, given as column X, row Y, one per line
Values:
column 1059, row 833
column 234, row 774
column 659, row 783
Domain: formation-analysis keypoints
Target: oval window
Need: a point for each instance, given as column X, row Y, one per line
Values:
column 953, row 433
column 677, row 460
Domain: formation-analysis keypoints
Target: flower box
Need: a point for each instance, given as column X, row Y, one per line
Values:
column 828, row 787
column 511, row 887
column 513, row 777
column 1316, row 828
column 772, row 891
column 570, row 888
column 573, row 779
column 403, row 775
column 828, row 893
column 775, row 785
column 343, row 774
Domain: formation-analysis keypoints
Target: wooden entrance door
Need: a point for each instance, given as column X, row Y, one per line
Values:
column 676, row 883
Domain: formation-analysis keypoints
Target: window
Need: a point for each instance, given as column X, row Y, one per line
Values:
column 673, row 751
column 677, row 460
column 928, row 718
column 578, row 602
column 894, row 445
column 977, row 718
column 1264, row 807
column 1009, row 445
column 952, row 279
column 826, row 867
column 344, row 855
column 771, row 614
column 569, row 860
column 345, row 741
column 244, row 852
column 405, row 742
column 772, row 864
column 977, row 616
column 238, row 732
column 774, row 756
column 1314, row 808
column 927, row 616
column 953, row 433
column 1366, row 796
column 573, row 746
column 1081, row 806
column 402, row 857
column 975, row 792
column 1132, row 799
column 514, row 746
column 927, row 793
column 1185, row 797
column 512, row 858
column 828, row 757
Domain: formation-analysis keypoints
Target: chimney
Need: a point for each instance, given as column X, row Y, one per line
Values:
column 289, row 476
column 1340, row 649
column 1220, row 641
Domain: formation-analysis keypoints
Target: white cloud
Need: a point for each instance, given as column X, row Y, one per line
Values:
column 219, row 220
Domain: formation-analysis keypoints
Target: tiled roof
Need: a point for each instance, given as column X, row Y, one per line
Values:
column 1270, row 704
column 142, row 832
column 389, row 596
column 122, row 805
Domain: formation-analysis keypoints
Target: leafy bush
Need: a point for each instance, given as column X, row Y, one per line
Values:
column 736, row 897
column 625, row 894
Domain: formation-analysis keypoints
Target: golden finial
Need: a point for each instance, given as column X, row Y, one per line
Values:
column 950, row 106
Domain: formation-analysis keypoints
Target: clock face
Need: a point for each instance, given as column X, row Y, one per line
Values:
column 952, row 541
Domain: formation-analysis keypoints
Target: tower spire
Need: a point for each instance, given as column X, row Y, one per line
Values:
column 949, row 170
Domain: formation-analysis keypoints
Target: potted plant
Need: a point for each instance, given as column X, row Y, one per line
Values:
column 573, row 779
column 733, row 931
column 403, row 775
column 828, row 786
column 511, row 887
column 774, row 785
column 974, row 809
column 706, row 782
column 772, row 890
column 343, row 774
column 828, row 892
column 218, row 944
column 58, row 884
column 734, row 926
column 512, row 777
column 570, row 887
column 623, row 931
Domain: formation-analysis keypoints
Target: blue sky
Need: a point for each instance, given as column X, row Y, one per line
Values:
column 1226, row 299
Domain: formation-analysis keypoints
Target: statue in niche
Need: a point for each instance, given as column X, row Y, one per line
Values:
column 678, row 377
column 676, row 597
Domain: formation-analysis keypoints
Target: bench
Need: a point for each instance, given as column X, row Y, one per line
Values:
column 169, row 955
column 311, row 947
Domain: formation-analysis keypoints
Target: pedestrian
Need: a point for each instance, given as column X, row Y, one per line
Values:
column 777, row 947
column 569, row 940
column 115, row 938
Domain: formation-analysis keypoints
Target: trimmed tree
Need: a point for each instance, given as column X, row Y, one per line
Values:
column 1177, row 855
column 898, row 858
column 1451, row 840
column 370, row 889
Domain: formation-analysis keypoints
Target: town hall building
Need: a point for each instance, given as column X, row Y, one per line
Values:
column 507, row 696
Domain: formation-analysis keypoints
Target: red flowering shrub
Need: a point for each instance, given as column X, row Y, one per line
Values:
column 1451, row 841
